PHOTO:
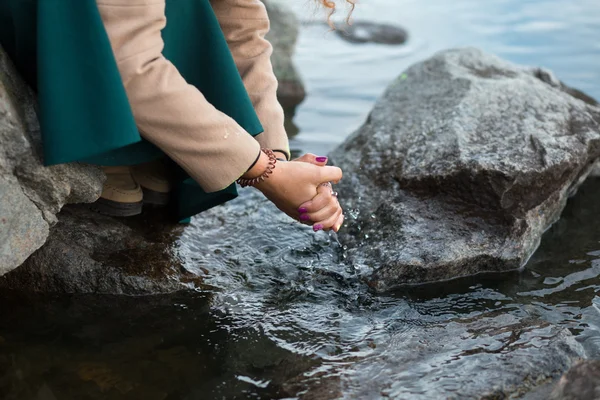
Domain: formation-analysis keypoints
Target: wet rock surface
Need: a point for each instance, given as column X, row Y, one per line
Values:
column 30, row 194
column 90, row 253
column 596, row 171
column 497, row 344
column 461, row 166
column 371, row 32
column 581, row 382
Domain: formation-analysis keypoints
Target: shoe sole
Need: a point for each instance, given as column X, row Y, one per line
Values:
column 116, row 209
column 154, row 198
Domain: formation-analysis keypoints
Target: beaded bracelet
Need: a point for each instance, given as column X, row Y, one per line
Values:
column 270, row 167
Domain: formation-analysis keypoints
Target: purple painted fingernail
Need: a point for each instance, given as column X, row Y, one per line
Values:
column 302, row 210
column 305, row 217
column 317, row 227
column 321, row 159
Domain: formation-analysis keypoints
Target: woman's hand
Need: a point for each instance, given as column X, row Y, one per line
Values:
column 324, row 209
column 296, row 182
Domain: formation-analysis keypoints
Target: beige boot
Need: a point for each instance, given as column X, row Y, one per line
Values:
column 121, row 195
column 153, row 179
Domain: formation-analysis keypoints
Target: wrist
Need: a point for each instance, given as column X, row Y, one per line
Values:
column 263, row 168
column 258, row 168
column 271, row 183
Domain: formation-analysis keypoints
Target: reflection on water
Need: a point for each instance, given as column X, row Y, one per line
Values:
column 286, row 317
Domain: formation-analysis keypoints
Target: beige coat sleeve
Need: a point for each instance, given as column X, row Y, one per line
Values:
column 170, row 113
column 245, row 24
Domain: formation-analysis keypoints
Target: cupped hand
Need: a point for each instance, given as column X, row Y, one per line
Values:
column 324, row 210
column 296, row 182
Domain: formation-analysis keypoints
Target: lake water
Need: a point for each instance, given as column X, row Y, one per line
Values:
column 287, row 318
column 344, row 80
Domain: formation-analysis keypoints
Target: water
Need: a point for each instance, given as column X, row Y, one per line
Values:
column 343, row 80
column 286, row 317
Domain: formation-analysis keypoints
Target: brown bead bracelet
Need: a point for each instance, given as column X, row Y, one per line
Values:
column 270, row 167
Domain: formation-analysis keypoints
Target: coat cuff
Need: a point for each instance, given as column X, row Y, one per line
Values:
column 276, row 139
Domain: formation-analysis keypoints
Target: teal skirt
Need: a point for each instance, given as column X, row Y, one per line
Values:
column 62, row 50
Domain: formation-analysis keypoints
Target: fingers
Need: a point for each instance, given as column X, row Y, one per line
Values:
column 330, row 174
column 323, row 211
column 320, row 201
column 338, row 224
column 313, row 159
column 330, row 222
column 324, row 214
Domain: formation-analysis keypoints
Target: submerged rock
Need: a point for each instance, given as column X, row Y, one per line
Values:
column 461, row 166
column 581, row 382
column 493, row 357
column 30, row 194
column 370, row 32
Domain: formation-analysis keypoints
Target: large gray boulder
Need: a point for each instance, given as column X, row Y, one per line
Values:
column 461, row 166
column 30, row 194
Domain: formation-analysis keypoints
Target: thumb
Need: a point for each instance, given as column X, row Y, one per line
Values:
column 313, row 159
column 331, row 174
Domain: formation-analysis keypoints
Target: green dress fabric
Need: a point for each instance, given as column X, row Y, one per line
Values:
column 62, row 50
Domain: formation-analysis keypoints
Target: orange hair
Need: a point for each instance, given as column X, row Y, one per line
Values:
column 330, row 5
